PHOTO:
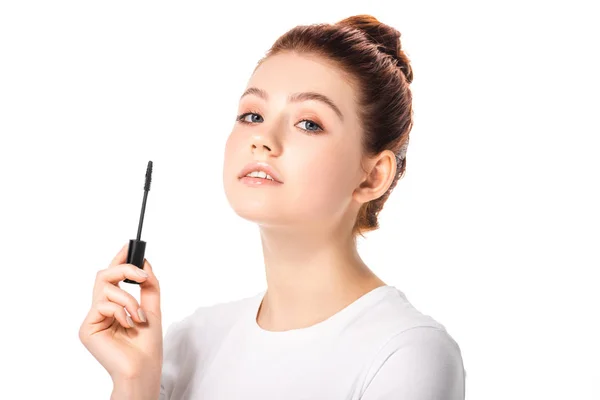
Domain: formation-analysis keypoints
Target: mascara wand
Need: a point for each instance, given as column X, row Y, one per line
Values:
column 137, row 247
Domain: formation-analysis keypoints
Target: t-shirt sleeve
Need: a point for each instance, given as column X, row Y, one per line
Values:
column 421, row 363
column 170, row 361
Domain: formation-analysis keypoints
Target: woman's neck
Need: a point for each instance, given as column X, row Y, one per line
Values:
column 310, row 278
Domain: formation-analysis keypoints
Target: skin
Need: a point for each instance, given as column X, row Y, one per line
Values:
column 313, row 269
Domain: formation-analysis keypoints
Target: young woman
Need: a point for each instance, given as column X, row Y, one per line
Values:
column 319, row 143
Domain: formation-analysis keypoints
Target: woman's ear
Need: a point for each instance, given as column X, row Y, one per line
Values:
column 380, row 171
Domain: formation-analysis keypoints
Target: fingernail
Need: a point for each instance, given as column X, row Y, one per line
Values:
column 141, row 272
column 130, row 321
column 141, row 314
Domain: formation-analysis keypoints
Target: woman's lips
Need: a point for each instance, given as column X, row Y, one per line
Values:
column 258, row 182
column 260, row 166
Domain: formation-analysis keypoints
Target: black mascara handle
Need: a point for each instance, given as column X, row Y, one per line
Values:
column 135, row 255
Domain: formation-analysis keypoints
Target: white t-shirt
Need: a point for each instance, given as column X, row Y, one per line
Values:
column 377, row 348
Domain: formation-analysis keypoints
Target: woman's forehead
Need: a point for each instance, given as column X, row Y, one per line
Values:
column 292, row 73
column 285, row 74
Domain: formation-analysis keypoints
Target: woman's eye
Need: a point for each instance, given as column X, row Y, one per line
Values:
column 252, row 118
column 310, row 126
column 243, row 117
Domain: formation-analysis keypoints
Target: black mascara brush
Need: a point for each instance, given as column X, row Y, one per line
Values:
column 137, row 247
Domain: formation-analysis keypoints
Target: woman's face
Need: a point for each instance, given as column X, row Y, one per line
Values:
column 316, row 152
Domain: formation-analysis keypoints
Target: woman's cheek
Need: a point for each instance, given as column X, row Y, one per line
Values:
column 322, row 188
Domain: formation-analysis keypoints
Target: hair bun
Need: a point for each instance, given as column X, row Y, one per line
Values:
column 385, row 37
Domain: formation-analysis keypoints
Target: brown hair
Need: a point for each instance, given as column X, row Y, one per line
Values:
column 370, row 53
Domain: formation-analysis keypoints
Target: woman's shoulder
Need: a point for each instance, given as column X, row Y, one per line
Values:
column 394, row 313
column 393, row 322
column 409, row 339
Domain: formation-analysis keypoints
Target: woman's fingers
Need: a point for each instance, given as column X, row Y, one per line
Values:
column 112, row 276
column 109, row 309
column 118, row 273
column 100, row 317
column 123, row 299
column 121, row 256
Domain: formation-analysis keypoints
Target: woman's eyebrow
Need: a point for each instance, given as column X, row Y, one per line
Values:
column 297, row 97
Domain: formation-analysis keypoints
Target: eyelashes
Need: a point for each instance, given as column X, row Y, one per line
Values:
column 242, row 119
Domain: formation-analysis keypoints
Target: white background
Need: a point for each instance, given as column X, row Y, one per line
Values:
column 493, row 231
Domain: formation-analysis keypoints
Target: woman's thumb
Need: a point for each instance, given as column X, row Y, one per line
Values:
column 150, row 292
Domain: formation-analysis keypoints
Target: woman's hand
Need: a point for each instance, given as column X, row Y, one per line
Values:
column 129, row 354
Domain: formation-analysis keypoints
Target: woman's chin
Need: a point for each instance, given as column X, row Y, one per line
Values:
column 264, row 221
column 259, row 213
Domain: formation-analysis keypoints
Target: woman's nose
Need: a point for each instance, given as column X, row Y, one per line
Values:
column 264, row 141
